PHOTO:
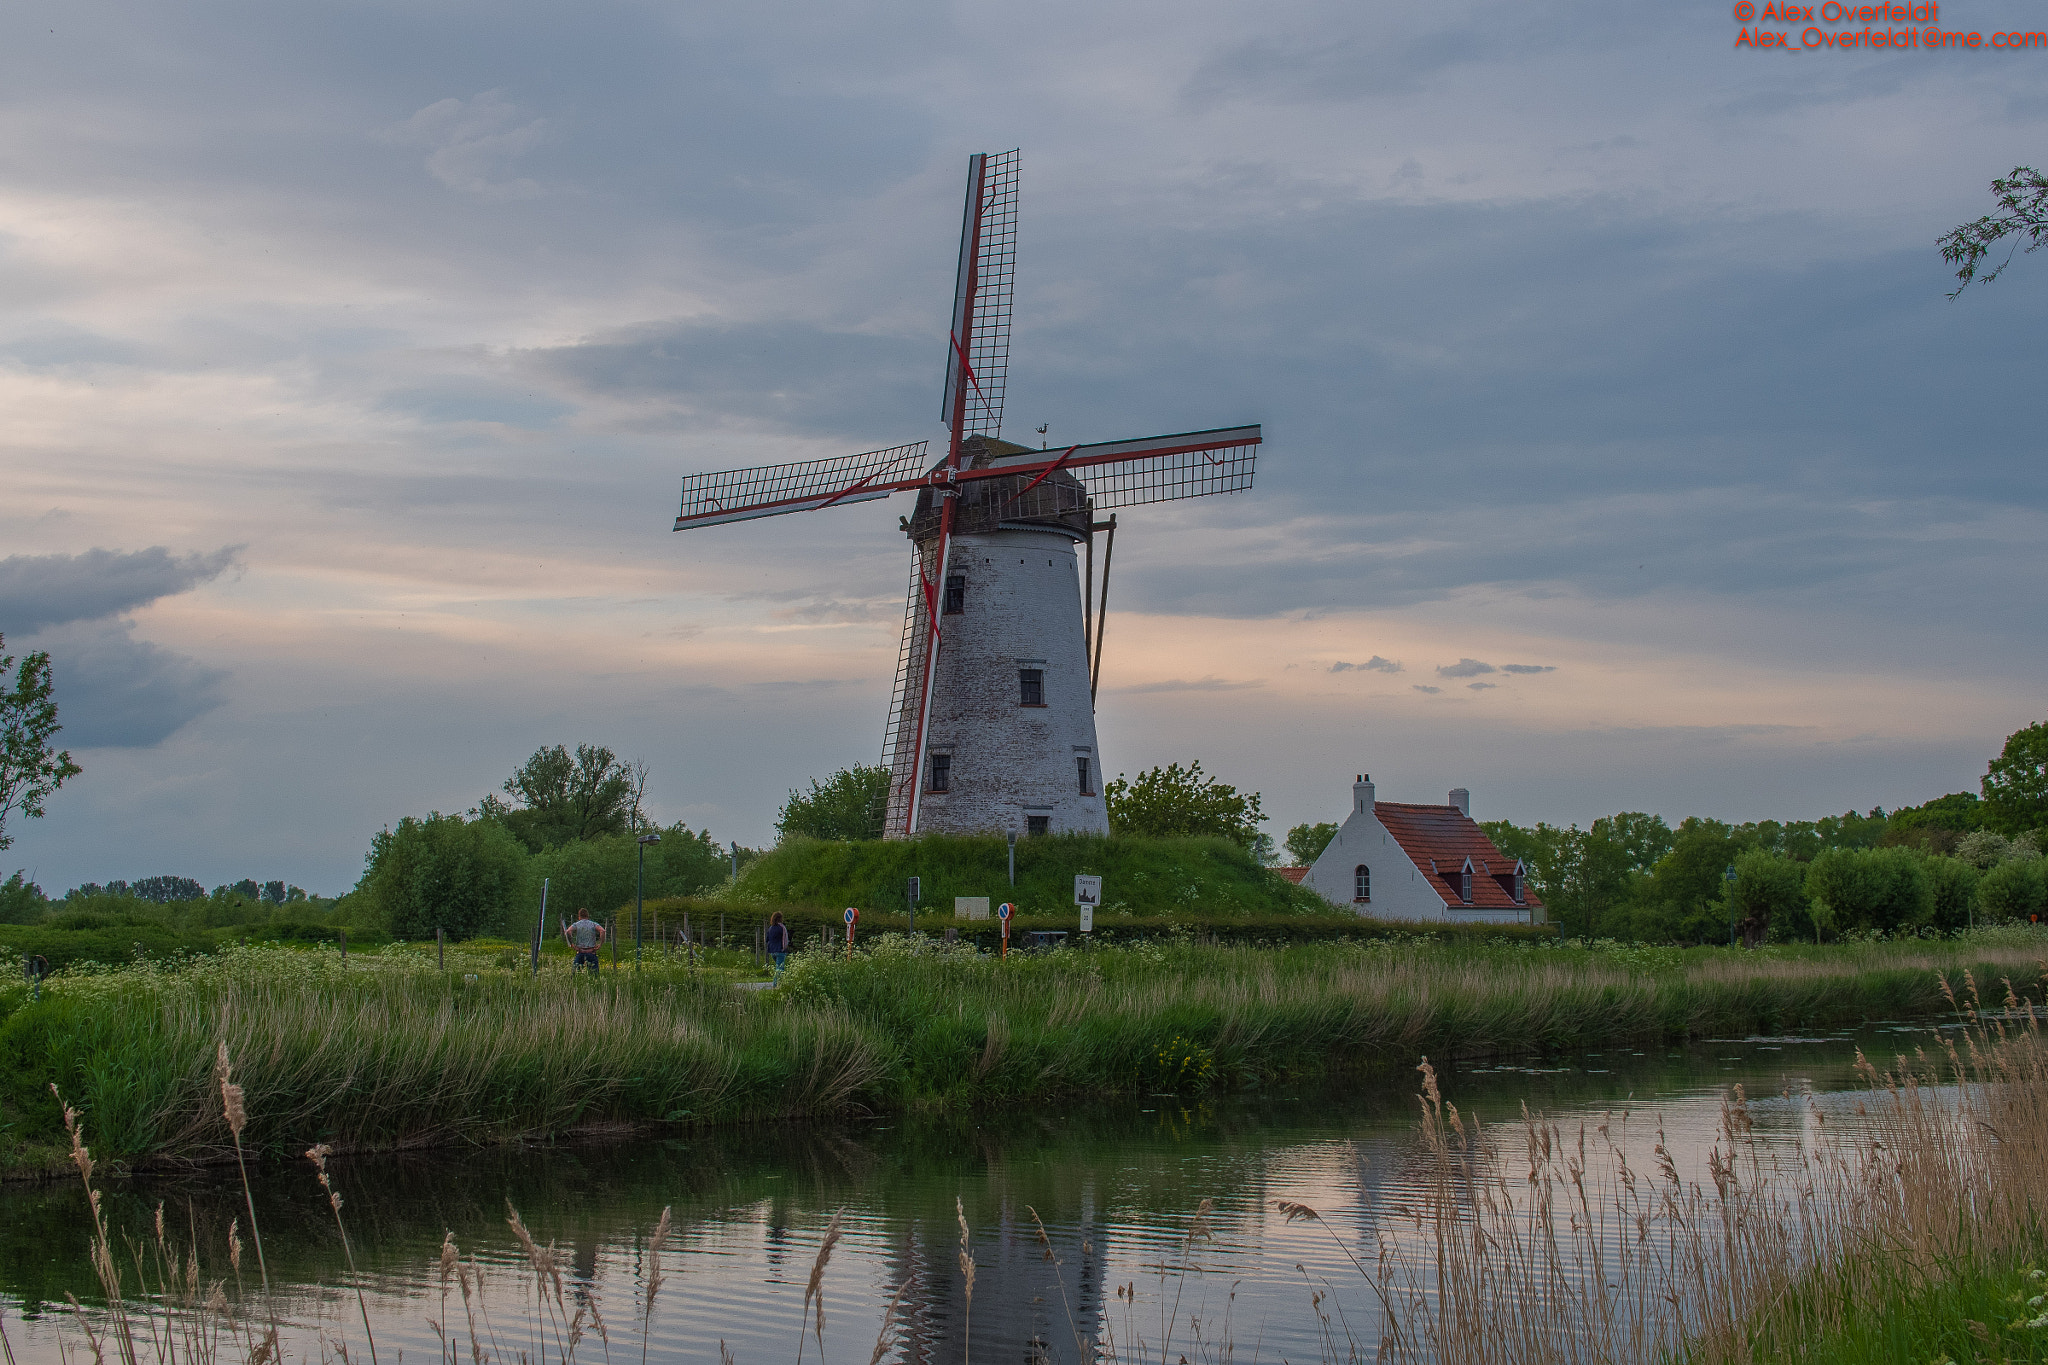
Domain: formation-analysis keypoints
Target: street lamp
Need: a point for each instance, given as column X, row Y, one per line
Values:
column 639, row 889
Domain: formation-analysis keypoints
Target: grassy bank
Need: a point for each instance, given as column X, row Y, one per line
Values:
column 385, row 1051
column 1144, row 877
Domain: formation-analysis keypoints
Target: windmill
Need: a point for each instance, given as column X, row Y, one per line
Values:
column 991, row 723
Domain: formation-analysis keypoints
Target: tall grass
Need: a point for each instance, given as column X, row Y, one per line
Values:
column 384, row 1051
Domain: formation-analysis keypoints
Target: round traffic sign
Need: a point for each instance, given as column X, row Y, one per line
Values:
column 851, row 915
column 1004, row 910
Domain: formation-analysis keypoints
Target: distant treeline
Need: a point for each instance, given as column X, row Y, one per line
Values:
column 1941, row 866
column 574, row 822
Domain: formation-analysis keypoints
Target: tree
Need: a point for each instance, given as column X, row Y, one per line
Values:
column 169, row 890
column 853, row 803
column 1768, row 889
column 2016, row 782
column 22, row 902
column 600, row 874
column 1584, row 877
column 29, row 769
column 1305, row 843
column 2023, row 213
column 1175, row 802
column 1958, row 812
column 1643, row 839
column 1883, row 890
column 444, row 872
column 557, row 799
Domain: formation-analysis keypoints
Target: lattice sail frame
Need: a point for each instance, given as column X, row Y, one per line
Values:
column 1189, row 464
column 771, row 489
column 982, row 295
column 899, row 747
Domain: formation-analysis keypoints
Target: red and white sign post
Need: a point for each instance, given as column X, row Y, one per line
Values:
column 850, row 916
column 1003, row 913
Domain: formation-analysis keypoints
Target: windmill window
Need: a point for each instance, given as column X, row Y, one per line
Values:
column 1083, row 766
column 941, row 779
column 1361, row 883
column 1035, row 825
column 956, row 594
column 1031, row 687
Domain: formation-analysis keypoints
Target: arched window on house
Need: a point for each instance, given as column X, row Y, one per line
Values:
column 1361, row 883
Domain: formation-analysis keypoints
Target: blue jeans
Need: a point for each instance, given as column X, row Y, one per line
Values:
column 585, row 957
column 780, row 960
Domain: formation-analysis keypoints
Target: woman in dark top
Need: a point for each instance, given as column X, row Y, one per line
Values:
column 778, row 941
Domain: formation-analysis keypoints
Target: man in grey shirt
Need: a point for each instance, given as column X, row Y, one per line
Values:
column 584, row 936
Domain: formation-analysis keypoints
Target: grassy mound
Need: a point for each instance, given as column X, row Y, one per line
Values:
column 1145, row 877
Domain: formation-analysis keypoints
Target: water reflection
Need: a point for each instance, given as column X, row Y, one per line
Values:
column 1114, row 1185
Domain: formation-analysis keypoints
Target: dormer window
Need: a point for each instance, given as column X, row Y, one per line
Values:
column 1461, row 882
column 1513, row 885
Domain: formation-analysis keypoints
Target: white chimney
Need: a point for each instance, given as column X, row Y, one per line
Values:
column 1462, row 799
column 1361, row 794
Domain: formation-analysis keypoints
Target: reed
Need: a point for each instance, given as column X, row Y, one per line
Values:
column 1908, row 1229
column 384, row 1051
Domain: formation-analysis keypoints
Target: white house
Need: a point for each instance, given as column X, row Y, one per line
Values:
column 1392, row 860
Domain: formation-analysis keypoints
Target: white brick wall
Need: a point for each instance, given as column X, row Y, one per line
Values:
column 1023, row 610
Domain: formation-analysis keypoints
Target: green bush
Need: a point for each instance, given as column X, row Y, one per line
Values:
column 1954, row 883
column 2012, row 891
column 444, row 872
column 601, row 873
column 1881, row 890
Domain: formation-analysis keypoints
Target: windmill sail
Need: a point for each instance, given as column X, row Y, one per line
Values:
column 978, row 344
column 770, row 490
column 1188, row 464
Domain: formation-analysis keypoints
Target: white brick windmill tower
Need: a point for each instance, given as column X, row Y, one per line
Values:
column 992, row 723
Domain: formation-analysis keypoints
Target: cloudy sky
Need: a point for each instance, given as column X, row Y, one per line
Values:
column 1624, row 451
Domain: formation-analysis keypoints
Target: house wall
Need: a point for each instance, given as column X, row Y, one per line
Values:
column 1400, row 890
column 1022, row 610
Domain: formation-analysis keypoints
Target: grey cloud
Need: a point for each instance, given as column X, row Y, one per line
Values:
column 1481, row 687
column 1375, row 664
column 47, row 590
column 1290, row 70
column 803, row 376
column 471, row 141
column 1464, row 668
column 1422, row 687
column 1182, row 685
column 1528, row 668
column 117, row 692
column 833, row 611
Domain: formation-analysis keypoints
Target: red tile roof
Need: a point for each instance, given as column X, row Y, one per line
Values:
column 1293, row 874
column 1445, row 837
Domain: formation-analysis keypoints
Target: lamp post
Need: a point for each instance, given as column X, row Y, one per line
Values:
column 1013, row 857
column 639, row 889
